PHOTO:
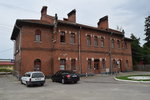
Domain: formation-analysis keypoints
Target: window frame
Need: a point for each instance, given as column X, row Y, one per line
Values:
column 72, row 38
column 88, row 40
column 62, row 37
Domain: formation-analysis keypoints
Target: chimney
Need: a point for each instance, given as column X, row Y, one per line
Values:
column 44, row 10
column 103, row 23
column 72, row 16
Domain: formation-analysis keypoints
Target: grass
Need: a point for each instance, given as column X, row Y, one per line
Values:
column 126, row 78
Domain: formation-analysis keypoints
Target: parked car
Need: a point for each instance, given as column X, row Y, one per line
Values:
column 65, row 76
column 33, row 78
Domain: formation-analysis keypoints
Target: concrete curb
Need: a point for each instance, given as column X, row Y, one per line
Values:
column 131, row 81
column 5, row 73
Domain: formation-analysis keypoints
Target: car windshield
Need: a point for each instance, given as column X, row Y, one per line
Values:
column 36, row 75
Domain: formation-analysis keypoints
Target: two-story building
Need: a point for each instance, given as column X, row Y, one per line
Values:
column 50, row 44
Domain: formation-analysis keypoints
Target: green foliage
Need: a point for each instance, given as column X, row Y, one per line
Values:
column 5, row 70
column 137, row 54
column 147, row 31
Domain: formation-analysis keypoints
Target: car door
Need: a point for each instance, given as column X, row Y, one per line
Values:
column 25, row 78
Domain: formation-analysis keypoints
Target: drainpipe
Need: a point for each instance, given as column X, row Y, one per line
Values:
column 79, row 49
column 110, row 54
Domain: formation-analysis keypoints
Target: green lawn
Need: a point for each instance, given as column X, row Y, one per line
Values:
column 126, row 78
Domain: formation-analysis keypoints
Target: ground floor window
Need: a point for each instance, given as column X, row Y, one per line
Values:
column 96, row 64
column 73, row 64
column 62, row 64
column 37, row 65
column 89, row 64
column 103, row 63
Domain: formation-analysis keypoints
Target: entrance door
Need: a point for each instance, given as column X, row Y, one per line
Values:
column 37, row 65
column 96, row 66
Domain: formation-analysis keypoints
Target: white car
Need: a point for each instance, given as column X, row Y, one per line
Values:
column 32, row 78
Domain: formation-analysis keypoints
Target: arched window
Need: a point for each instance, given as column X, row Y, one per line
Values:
column 37, row 65
column 113, row 43
column 114, row 63
column 88, row 40
column 102, row 42
column 95, row 41
column 37, row 35
column 118, row 43
column 72, row 38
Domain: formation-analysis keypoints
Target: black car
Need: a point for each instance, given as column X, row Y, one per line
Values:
column 65, row 76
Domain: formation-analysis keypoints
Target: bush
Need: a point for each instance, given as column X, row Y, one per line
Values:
column 5, row 70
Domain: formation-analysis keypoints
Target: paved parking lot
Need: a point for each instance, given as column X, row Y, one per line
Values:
column 99, row 87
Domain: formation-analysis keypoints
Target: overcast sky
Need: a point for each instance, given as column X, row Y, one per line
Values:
column 128, row 14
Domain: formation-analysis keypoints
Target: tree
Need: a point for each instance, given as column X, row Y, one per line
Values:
column 147, row 31
column 137, row 55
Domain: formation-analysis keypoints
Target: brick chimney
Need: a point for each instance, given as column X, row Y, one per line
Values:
column 103, row 23
column 72, row 16
column 44, row 10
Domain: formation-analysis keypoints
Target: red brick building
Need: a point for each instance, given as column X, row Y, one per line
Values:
column 50, row 44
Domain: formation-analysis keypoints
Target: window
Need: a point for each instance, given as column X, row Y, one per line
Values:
column 73, row 64
column 62, row 64
column 72, row 38
column 112, row 43
column 102, row 42
column 118, row 43
column 37, row 65
column 95, row 41
column 96, row 64
column 125, row 45
column 62, row 37
column 88, row 40
column 114, row 63
column 103, row 63
column 37, row 35
column 89, row 64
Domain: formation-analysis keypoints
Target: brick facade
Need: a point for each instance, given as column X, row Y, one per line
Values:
column 54, row 50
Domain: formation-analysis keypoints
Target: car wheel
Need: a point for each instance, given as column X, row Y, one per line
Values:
column 27, row 84
column 53, row 80
column 42, row 84
column 63, row 81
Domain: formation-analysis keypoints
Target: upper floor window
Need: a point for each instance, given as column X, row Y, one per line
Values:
column 102, row 42
column 37, row 35
column 62, row 37
column 95, row 41
column 88, row 40
column 125, row 45
column 118, row 43
column 72, row 38
column 113, row 43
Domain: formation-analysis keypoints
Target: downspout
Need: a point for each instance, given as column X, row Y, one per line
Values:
column 79, row 49
column 110, row 54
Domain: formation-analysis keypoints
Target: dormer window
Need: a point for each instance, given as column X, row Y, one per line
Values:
column 37, row 35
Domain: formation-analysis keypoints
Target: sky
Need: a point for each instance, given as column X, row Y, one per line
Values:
column 127, row 14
